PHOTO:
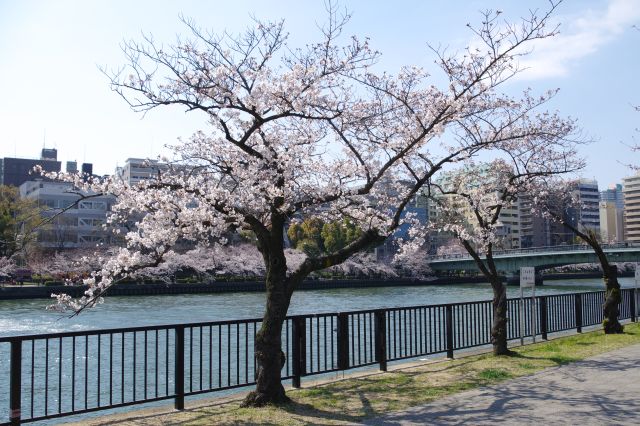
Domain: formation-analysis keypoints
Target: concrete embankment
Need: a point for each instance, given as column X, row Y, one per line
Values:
column 133, row 289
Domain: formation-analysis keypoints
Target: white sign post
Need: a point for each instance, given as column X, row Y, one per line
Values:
column 527, row 279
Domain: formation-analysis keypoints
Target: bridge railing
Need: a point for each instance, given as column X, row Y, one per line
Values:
column 533, row 250
column 49, row 376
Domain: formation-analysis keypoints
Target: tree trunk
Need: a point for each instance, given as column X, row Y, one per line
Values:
column 613, row 297
column 268, row 345
column 611, row 306
column 499, row 327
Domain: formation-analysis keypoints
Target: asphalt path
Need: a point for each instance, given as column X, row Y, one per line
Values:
column 603, row 390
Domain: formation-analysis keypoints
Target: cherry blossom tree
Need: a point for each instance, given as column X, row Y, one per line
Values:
column 411, row 262
column 69, row 265
column 471, row 202
column 301, row 132
column 206, row 261
column 7, row 266
column 553, row 198
column 450, row 247
column 364, row 264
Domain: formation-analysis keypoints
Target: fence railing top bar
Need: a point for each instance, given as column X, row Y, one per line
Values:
column 5, row 339
column 121, row 330
column 584, row 292
column 318, row 315
column 402, row 308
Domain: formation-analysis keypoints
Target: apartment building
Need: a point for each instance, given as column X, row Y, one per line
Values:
column 631, row 191
column 82, row 225
column 612, row 214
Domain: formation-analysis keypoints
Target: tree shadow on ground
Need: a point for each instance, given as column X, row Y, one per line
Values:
column 582, row 393
column 232, row 414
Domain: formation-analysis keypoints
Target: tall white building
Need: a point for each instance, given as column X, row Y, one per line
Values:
column 612, row 214
column 611, row 222
column 631, row 191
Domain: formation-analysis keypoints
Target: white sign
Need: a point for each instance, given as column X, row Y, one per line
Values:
column 528, row 280
column 528, row 276
column 637, row 273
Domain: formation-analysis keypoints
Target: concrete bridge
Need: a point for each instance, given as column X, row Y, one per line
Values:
column 510, row 261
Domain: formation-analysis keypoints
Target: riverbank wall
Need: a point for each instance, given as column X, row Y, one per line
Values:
column 159, row 288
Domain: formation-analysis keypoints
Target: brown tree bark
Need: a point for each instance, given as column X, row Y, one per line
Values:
column 279, row 287
column 499, row 327
column 268, row 343
column 613, row 297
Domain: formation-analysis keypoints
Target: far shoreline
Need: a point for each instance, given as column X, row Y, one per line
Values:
column 16, row 292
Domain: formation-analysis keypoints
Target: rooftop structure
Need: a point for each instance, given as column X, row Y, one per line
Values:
column 16, row 171
column 138, row 169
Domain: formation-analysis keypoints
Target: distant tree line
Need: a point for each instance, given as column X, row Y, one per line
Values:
column 315, row 237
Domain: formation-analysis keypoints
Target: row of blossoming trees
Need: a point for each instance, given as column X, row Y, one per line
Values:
column 316, row 131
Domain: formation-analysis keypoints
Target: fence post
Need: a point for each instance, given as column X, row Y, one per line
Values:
column 343, row 341
column 381, row 338
column 578, row 309
column 179, row 368
column 632, row 305
column 543, row 317
column 15, row 382
column 299, row 340
column 449, row 326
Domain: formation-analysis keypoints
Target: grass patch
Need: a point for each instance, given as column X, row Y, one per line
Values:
column 494, row 374
column 527, row 366
column 356, row 399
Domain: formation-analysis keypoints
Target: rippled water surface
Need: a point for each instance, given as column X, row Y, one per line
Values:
column 30, row 316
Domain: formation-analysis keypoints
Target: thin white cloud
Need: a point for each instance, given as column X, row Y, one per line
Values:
column 579, row 37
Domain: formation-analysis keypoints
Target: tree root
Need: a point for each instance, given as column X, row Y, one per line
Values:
column 612, row 327
column 260, row 399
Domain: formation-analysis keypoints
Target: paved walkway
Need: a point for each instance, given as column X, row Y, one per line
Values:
column 604, row 390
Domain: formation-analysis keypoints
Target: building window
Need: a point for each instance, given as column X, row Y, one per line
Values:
column 93, row 205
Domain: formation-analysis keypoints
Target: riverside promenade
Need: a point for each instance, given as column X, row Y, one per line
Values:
column 603, row 390
column 600, row 390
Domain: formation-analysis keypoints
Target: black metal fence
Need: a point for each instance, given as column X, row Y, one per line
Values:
column 55, row 375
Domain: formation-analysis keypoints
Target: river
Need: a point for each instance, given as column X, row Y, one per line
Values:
column 31, row 317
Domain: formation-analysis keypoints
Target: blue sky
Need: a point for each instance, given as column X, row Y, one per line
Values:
column 51, row 88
